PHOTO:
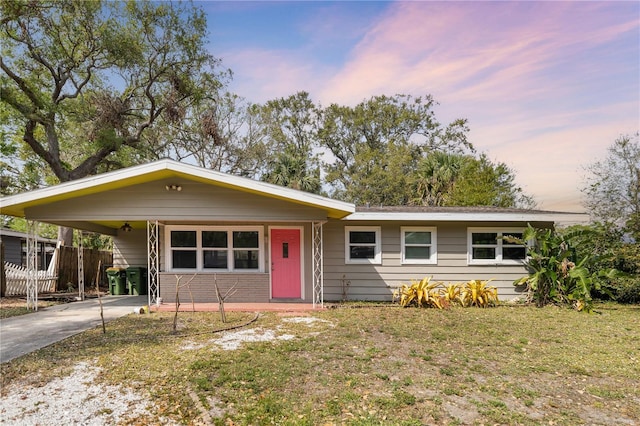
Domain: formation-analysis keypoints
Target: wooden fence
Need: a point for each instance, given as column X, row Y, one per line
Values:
column 67, row 273
column 16, row 277
column 68, row 268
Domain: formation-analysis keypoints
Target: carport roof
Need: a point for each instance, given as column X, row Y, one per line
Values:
column 15, row 205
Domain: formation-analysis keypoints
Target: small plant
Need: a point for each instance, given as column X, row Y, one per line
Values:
column 421, row 293
column 478, row 293
column 452, row 293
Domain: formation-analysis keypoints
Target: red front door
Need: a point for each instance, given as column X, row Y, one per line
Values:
column 285, row 264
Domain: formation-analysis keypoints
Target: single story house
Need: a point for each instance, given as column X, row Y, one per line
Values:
column 15, row 248
column 278, row 244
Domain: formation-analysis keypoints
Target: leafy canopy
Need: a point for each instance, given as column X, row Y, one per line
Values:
column 612, row 188
column 83, row 81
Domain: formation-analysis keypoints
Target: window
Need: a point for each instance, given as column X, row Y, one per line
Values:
column 183, row 249
column 362, row 244
column 245, row 250
column 419, row 245
column 214, row 249
column 486, row 246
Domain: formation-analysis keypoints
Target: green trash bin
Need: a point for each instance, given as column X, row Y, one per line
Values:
column 117, row 281
column 137, row 280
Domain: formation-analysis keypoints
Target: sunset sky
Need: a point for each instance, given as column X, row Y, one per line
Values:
column 546, row 86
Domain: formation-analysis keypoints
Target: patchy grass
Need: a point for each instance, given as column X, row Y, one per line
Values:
column 14, row 306
column 370, row 366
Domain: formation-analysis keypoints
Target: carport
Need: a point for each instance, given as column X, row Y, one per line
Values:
column 142, row 207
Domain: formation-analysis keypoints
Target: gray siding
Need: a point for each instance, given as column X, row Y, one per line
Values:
column 366, row 282
column 377, row 282
column 12, row 249
column 130, row 249
column 196, row 202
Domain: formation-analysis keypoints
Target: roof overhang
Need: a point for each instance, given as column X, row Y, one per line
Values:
column 17, row 234
column 524, row 216
column 16, row 205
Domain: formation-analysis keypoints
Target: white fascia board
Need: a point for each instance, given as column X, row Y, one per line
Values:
column 84, row 183
column 241, row 183
column 469, row 217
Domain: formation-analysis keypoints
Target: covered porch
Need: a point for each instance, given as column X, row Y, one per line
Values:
column 176, row 220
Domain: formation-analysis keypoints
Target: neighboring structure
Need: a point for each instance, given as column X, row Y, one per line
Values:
column 274, row 243
column 15, row 248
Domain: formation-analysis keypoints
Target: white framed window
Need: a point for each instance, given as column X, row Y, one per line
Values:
column 214, row 248
column 362, row 244
column 419, row 245
column 485, row 246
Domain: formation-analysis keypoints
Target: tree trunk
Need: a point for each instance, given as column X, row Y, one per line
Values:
column 65, row 235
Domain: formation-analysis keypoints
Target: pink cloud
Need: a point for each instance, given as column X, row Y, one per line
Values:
column 467, row 50
column 266, row 75
column 522, row 73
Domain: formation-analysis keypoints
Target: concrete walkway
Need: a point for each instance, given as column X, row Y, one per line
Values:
column 27, row 333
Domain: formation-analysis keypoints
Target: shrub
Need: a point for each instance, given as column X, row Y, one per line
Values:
column 556, row 273
column 421, row 293
column 478, row 293
column 452, row 293
column 628, row 290
column 425, row 293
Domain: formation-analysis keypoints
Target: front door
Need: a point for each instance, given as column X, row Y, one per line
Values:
column 285, row 264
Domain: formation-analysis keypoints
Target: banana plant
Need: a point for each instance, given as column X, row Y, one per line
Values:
column 555, row 273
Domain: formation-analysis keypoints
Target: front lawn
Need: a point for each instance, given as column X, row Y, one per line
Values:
column 15, row 306
column 369, row 366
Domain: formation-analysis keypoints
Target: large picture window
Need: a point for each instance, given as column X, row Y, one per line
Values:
column 486, row 246
column 419, row 245
column 215, row 249
column 362, row 244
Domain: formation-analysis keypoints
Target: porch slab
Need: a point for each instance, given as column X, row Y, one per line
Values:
column 237, row 307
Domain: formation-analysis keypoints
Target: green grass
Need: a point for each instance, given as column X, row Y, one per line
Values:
column 373, row 366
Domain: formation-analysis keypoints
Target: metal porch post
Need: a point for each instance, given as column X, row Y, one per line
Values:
column 153, row 264
column 80, row 265
column 32, row 265
column 318, row 265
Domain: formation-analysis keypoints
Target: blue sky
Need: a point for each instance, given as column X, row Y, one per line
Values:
column 546, row 86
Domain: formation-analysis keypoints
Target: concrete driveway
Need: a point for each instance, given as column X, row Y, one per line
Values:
column 27, row 333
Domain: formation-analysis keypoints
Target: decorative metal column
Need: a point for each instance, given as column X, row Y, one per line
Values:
column 153, row 261
column 32, row 265
column 80, row 266
column 318, row 266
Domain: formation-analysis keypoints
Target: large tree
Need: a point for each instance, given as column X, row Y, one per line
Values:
column 450, row 179
column 612, row 189
column 481, row 182
column 222, row 133
column 289, row 127
column 83, row 81
column 374, row 146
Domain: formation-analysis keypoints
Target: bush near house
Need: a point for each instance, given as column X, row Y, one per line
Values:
column 610, row 247
column 427, row 294
column 557, row 274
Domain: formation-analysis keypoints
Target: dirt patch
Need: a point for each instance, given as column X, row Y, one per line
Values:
column 233, row 340
column 74, row 399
